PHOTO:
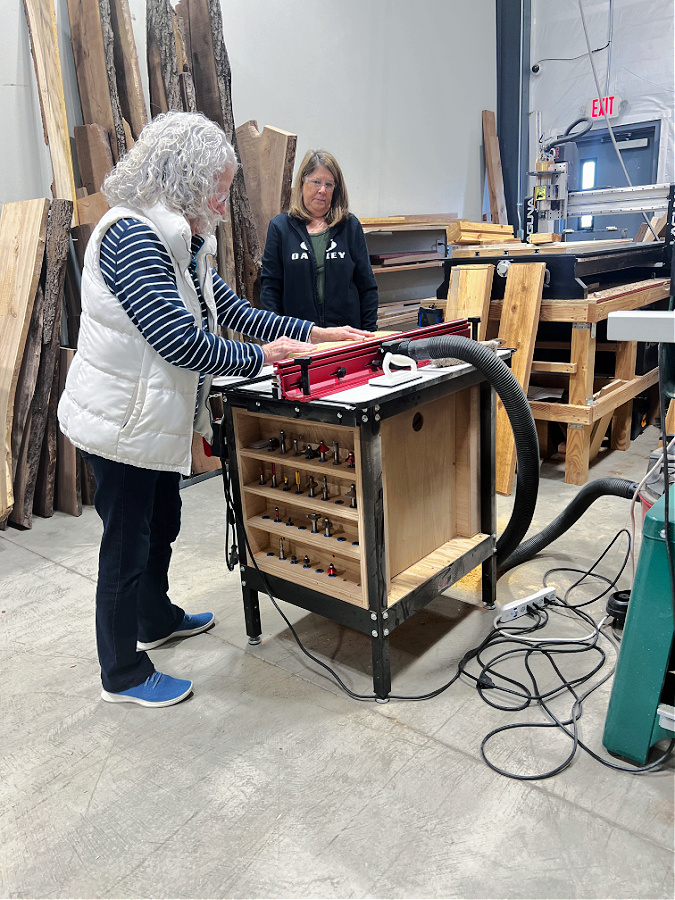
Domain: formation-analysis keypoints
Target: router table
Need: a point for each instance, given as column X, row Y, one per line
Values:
column 401, row 506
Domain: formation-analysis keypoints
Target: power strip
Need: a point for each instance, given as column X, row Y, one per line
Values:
column 518, row 608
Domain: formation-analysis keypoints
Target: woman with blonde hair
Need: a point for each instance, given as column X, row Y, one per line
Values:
column 136, row 391
column 316, row 265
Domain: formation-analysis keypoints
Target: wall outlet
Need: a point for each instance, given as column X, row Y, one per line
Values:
column 518, row 608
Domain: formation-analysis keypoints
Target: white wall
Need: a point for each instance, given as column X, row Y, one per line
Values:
column 641, row 66
column 393, row 89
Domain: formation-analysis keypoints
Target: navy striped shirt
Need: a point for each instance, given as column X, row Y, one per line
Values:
column 137, row 268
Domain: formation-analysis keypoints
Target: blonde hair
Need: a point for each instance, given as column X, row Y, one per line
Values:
column 339, row 207
column 177, row 160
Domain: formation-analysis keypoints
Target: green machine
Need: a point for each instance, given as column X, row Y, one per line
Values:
column 641, row 707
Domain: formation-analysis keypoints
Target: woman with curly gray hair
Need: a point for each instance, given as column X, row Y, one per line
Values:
column 136, row 390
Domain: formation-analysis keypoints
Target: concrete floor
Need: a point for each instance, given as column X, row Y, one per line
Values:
column 270, row 782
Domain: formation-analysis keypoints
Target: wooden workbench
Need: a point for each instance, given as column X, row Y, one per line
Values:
column 592, row 403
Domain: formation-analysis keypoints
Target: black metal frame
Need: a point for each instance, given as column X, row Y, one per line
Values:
column 377, row 620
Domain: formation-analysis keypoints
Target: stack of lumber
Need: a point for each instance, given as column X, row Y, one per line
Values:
column 34, row 242
column 462, row 232
column 400, row 316
column 386, row 223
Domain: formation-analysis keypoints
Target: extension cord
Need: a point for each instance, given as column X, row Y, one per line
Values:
column 518, row 608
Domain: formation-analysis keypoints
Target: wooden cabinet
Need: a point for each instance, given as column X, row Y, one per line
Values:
column 418, row 463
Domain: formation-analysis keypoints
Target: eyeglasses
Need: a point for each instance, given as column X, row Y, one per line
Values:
column 317, row 185
column 220, row 199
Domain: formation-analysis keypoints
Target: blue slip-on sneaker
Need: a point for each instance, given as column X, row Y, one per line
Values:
column 189, row 626
column 157, row 690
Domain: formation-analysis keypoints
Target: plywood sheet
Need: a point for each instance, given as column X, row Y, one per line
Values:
column 22, row 239
column 517, row 329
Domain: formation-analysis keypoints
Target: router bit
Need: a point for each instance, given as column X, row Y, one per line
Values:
column 351, row 493
column 298, row 489
column 282, row 442
column 327, row 524
column 323, row 449
column 314, row 518
column 324, row 490
column 312, row 486
column 274, row 475
column 282, row 555
column 336, row 453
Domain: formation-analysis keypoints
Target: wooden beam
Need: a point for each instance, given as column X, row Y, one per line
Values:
column 493, row 165
column 518, row 329
column 41, row 19
column 552, row 368
column 56, row 254
column 22, row 239
column 127, row 69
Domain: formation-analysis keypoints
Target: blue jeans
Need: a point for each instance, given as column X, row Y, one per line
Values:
column 140, row 510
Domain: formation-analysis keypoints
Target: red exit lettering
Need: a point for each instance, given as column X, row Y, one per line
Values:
column 597, row 111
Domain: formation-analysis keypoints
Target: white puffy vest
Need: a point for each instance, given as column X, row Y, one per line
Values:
column 122, row 401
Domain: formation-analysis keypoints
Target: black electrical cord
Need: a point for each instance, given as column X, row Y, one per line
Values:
column 571, row 58
column 526, row 695
column 568, row 137
column 590, row 572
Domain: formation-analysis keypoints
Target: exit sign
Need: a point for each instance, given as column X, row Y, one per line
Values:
column 594, row 108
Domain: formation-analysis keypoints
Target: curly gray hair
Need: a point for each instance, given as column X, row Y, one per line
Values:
column 177, row 160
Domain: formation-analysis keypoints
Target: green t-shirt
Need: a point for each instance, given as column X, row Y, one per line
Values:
column 320, row 246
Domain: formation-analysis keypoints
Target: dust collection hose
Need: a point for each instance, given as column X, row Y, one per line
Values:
column 510, row 551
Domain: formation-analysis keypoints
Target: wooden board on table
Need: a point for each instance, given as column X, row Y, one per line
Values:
column 331, row 345
column 68, row 461
column 94, row 156
column 469, row 293
column 267, row 157
column 23, row 228
column 41, row 20
column 493, row 165
column 517, row 329
column 127, row 69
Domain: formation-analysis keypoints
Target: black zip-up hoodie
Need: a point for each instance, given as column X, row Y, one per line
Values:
column 288, row 277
